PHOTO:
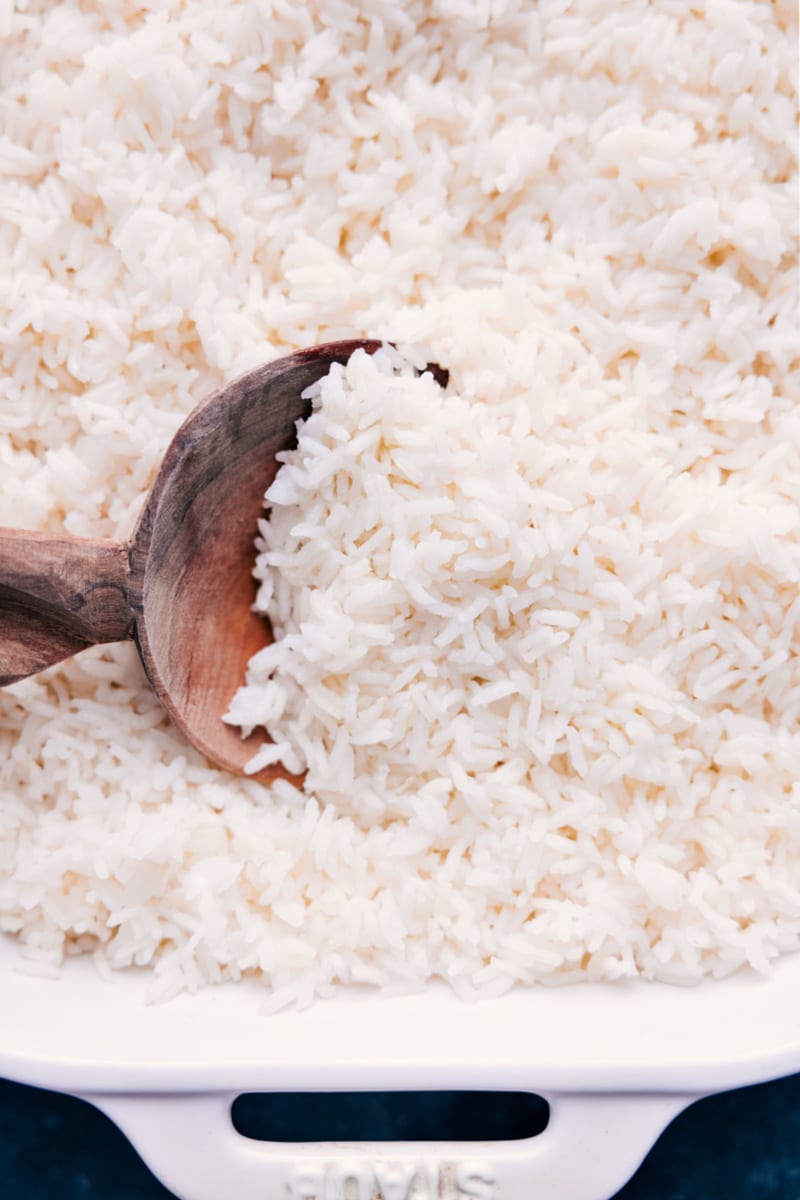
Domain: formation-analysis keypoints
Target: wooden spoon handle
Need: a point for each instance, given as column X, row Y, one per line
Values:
column 58, row 595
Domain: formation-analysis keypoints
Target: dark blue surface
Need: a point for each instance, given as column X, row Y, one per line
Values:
column 743, row 1145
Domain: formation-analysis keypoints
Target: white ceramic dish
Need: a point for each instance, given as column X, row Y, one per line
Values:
column 616, row 1063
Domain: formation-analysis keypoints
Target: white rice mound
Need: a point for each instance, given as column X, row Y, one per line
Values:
column 541, row 649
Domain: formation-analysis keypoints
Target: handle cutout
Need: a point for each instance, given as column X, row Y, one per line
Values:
column 468, row 1117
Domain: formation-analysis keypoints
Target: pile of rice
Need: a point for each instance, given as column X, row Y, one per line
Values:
column 540, row 643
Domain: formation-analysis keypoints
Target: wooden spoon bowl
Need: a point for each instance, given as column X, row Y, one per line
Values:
column 182, row 587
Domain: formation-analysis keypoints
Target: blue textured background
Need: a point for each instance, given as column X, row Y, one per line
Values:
column 742, row 1145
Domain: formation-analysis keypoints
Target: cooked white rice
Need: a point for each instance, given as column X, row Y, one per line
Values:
column 588, row 213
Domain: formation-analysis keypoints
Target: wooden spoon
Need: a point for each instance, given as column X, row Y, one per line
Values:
column 182, row 587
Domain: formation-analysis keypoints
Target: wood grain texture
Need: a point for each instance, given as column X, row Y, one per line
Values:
column 58, row 595
column 193, row 552
column 183, row 587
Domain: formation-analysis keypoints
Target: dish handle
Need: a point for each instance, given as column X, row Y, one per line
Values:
column 593, row 1143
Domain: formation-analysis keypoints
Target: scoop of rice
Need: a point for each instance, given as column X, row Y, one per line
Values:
column 540, row 635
